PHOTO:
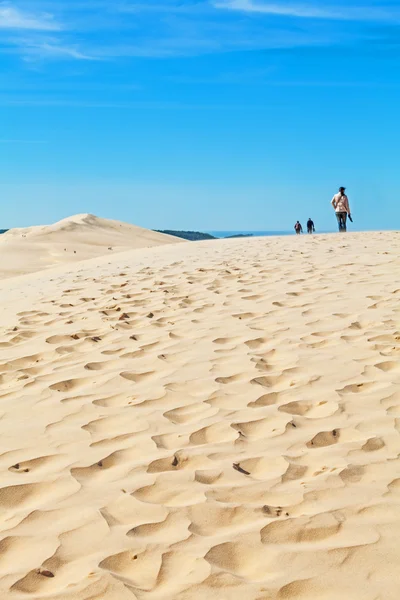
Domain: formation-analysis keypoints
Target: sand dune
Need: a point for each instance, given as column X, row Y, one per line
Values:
column 219, row 424
column 74, row 239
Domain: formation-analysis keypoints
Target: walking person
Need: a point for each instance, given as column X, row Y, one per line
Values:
column 340, row 203
column 310, row 226
column 298, row 228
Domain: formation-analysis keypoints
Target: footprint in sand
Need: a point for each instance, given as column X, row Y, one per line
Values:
column 265, row 400
column 373, row 445
column 192, row 413
column 68, row 385
column 301, row 530
column 137, row 377
column 216, row 433
column 96, row 366
column 325, row 438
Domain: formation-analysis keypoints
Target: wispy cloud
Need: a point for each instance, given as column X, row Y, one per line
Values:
column 29, row 35
column 311, row 11
column 89, row 30
column 13, row 18
column 167, row 7
column 51, row 49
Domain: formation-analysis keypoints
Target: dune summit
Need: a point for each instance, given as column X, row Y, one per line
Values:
column 73, row 239
column 219, row 420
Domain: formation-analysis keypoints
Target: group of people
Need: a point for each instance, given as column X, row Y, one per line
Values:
column 310, row 227
column 340, row 203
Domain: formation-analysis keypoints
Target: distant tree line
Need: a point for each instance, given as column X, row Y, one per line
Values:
column 192, row 236
column 195, row 236
column 239, row 235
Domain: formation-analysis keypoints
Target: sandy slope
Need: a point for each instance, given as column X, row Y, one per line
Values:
column 74, row 239
column 219, row 425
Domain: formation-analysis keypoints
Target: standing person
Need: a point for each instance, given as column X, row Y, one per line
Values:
column 340, row 203
column 310, row 226
column 298, row 228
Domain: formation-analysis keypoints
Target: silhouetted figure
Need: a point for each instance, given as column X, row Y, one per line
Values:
column 310, row 226
column 340, row 203
column 298, row 228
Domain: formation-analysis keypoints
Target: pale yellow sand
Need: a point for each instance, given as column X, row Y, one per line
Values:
column 132, row 384
column 74, row 239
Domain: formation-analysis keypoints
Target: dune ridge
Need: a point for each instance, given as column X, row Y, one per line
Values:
column 76, row 238
column 218, row 423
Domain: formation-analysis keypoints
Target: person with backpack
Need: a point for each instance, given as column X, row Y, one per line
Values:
column 340, row 203
column 310, row 226
column 298, row 228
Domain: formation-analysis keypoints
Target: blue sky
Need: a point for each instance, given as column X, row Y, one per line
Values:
column 199, row 114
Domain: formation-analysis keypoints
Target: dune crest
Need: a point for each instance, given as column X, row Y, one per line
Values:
column 76, row 238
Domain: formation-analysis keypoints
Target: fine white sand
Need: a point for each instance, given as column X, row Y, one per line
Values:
column 216, row 420
column 74, row 239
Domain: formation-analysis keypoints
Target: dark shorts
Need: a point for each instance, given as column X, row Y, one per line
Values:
column 342, row 220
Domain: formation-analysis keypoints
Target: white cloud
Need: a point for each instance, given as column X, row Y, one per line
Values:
column 34, row 51
column 13, row 18
column 105, row 30
column 310, row 11
column 30, row 37
column 289, row 10
column 166, row 7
